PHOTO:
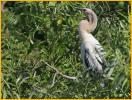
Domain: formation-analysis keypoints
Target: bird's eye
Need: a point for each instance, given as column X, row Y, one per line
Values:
column 84, row 9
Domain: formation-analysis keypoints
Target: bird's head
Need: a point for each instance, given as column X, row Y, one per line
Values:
column 86, row 11
column 91, row 21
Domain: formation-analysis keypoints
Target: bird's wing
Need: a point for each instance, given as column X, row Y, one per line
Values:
column 94, row 55
column 99, row 51
column 100, row 54
column 94, row 59
column 89, row 59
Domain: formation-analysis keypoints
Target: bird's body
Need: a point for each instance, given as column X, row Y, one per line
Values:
column 91, row 50
column 92, row 54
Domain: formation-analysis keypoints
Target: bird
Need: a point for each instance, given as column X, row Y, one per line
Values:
column 92, row 52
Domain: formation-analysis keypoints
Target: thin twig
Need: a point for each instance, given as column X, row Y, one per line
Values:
column 53, row 82
column 57, row 71
column 69, row 77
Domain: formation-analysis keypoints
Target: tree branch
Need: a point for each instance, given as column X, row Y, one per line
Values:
column 57, row 71
column 53, row 82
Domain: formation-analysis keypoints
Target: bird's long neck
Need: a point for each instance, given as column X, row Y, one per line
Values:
column 92, row 19
column 84, row 35
column 87, row 26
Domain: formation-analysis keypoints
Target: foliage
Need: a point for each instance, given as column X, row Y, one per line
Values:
column 38, row 32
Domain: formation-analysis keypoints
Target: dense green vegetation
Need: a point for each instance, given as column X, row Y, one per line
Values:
column 37, row 36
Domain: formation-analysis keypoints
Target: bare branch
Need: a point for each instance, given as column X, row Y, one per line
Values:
column 57, row 71
column 53, row 82
column 69, row 77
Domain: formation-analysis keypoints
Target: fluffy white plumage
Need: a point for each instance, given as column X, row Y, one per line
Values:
column 92, row 53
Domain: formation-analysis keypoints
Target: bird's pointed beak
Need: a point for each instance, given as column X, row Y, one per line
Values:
column 81, row 9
